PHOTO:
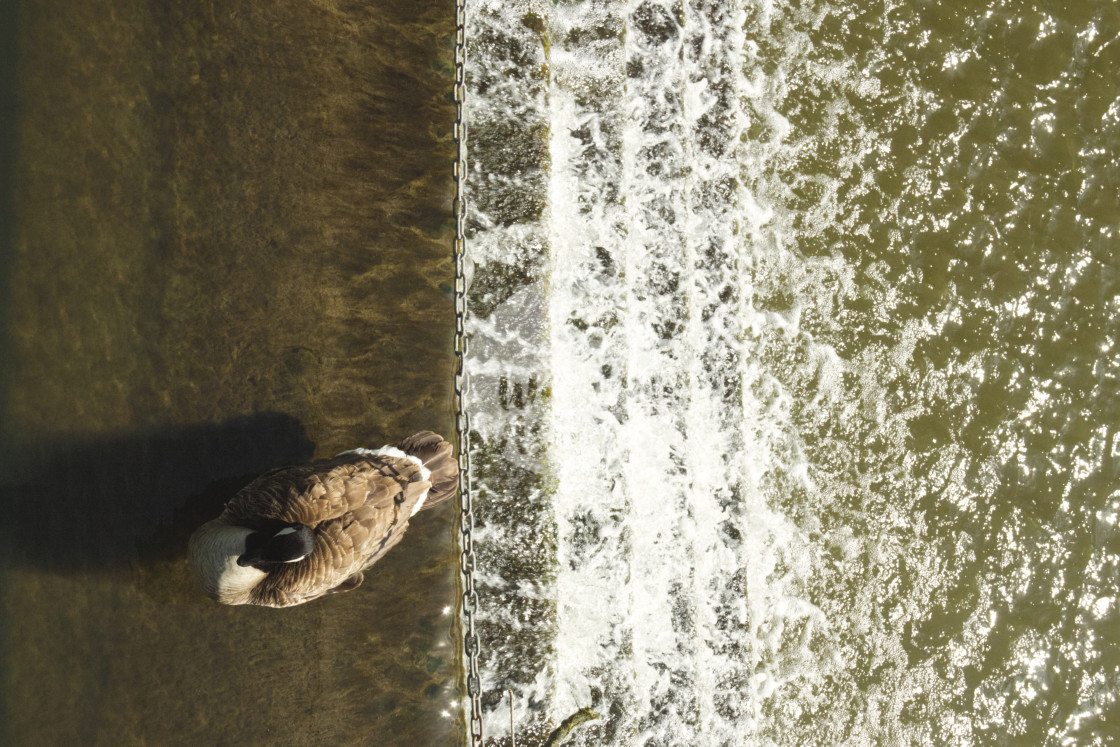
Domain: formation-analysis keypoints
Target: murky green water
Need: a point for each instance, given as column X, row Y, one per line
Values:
column 227, row 246
column 794, row 369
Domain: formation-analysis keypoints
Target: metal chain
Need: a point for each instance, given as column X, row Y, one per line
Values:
column 462, row 419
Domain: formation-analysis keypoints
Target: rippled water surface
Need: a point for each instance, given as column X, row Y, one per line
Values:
column 226, row 243
column 794, row 369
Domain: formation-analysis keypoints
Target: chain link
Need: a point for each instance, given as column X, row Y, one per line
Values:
column 462, row 419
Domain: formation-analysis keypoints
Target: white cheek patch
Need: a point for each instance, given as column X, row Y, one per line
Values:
column 285, row 530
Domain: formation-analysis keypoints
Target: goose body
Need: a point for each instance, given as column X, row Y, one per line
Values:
column 297, row 533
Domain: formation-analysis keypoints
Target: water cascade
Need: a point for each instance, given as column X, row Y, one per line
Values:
column 792, row 370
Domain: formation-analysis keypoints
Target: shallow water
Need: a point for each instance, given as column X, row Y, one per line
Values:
column 227, row 247
column 793, row 369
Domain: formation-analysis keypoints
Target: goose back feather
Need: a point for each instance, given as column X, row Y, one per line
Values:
column 358, row 505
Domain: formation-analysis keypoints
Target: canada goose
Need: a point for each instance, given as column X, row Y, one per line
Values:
column 297, row 533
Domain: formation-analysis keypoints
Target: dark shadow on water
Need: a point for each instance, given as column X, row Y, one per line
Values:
column 105, row 504
column 109, row 635
column 95, row 504
column 9, row 116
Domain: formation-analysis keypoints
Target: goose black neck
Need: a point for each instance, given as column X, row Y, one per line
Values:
column 288, row 544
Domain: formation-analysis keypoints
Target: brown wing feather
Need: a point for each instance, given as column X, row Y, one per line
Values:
column 323, row 491
column 437, row 455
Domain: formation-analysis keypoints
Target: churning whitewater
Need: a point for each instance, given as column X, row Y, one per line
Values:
column 717, row 499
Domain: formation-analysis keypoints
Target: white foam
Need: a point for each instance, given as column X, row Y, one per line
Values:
column 700, row 552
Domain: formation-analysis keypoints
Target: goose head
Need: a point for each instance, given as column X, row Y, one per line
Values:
column 230, row 560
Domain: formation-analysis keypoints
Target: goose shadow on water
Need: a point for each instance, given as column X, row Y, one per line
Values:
column 106, row 503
